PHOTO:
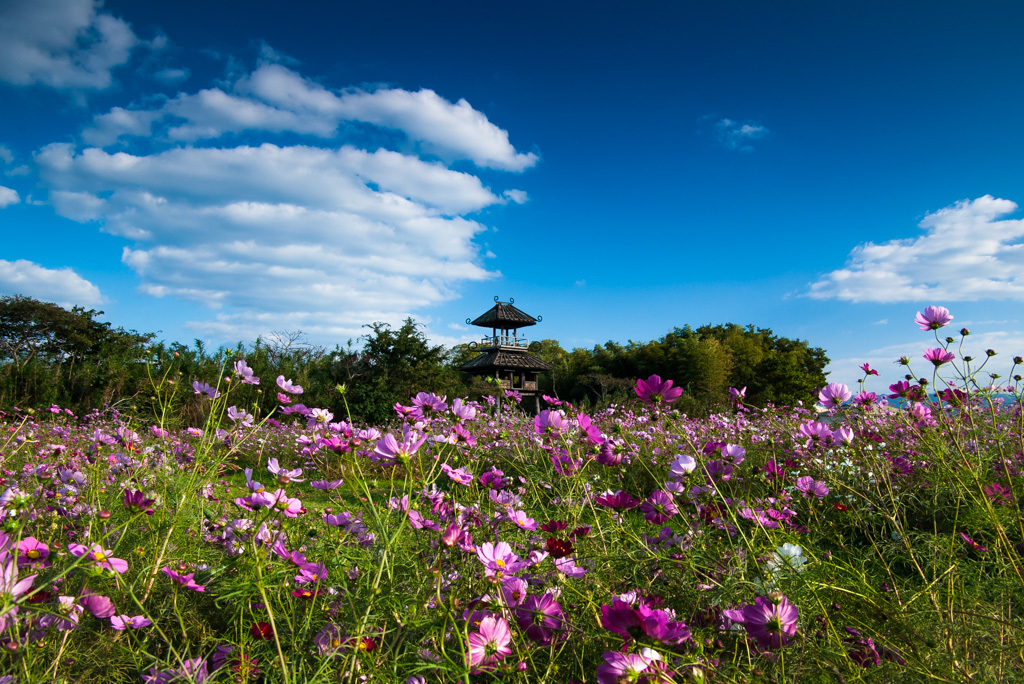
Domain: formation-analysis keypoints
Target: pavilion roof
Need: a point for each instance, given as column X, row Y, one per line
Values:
column 504, row 316
column 496, row 359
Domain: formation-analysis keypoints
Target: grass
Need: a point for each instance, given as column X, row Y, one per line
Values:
column 896, row 537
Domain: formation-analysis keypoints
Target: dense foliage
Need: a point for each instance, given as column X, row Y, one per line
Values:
column 49, row 355
column 858, row 541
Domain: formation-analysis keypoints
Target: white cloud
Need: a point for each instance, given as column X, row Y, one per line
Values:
column 967, row 253
column 6, row 156
column 171, row 76
column 275, row 99
column 8, row 196
column 736, row 136
column 61, row 286
column 272, row 237
column 64, row 44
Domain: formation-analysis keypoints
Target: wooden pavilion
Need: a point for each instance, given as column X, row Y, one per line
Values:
column 504, row 355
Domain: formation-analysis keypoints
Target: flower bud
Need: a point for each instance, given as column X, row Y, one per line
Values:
column 990, row 352
column 904, row 361
column 1018, row 359
column 968, row 359
column 965, row 332
column 950, row 340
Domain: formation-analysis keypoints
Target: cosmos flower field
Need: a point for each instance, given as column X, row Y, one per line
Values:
column 873, row 536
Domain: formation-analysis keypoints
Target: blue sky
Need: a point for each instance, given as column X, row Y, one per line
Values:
column 821, row 169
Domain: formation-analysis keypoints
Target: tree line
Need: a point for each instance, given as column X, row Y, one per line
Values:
column 51, row 355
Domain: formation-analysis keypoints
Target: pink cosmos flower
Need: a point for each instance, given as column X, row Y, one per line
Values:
column 426, row 404
column 240, row 416
column 136, row 502
column 540, row 617
column 933, row 318
column 868, row 370
column 12, row 587
column 284, row 476
column 808, row 486
column 389, row 451
column 623, row 667
column 186, row 581
column 619, row 500
column 658, row 507
column 654, row 390
column 245, row 374
column 549, row 422
column 834, row 394
column 99, row 606
column 203, row 388
column 460, row 475
column 331, row 640
column 279, row 500
column 865, row 398
column 490, row 645
column 103, row 559
column 499, row 558
column 119, row 622
column 768, row 620
column 32, row 553
column 462, row 410
column 938, row 356
column 194, row 670
column 288, row 386
column 521, row 520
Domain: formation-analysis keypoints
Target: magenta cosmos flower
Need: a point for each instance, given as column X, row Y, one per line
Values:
column 186, row 581
column 549, row 422
column 933, row 318
column 623, row 667
column 32, row 553
column 658, row 507
column 938, row 356
column 768, row 620
column 834, row 394
column 490, row 645
column 654, row 390
column 540, row 617
column 102, row 558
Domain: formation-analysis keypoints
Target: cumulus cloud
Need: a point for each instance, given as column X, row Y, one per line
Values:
column 64, row 44
column 737, row 136
column 61, row 286
column 270, row 234
column 8, row 196
column 276, row 99
column 967, row 253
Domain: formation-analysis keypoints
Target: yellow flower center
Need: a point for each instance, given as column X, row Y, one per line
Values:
column 99, row 556
column 32, row 553
column 500, row 563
